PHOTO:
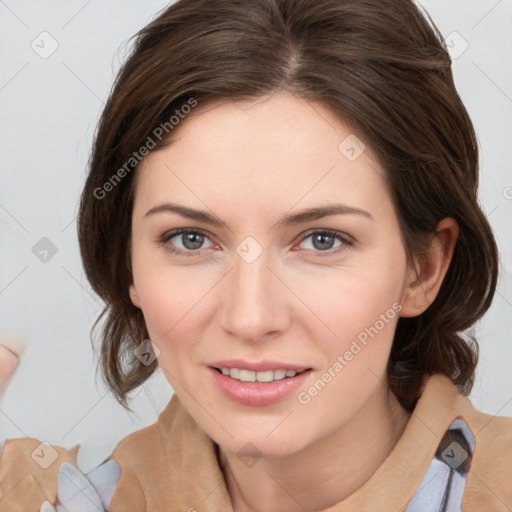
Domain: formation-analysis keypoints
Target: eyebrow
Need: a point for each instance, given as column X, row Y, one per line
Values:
column 287, row 220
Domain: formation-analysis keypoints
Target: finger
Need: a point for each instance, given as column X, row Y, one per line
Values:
column 8, row 363
column 16, row 346
column 75, row 491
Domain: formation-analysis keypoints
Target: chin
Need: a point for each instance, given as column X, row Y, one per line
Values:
column 257, row 446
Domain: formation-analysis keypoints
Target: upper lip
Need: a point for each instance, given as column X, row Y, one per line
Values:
column 258, row 366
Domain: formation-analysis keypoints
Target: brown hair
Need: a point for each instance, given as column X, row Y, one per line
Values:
column 379, row 65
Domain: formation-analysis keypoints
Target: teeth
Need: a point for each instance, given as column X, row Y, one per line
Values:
column 279, row 374
column 265, row 376
column 246, row 376
column 250, row 376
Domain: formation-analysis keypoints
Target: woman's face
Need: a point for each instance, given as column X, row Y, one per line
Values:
column 265, row 285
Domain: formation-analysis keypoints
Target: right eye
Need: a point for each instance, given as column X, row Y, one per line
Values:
column 191, row 240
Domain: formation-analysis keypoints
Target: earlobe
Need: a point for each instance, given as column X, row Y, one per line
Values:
column 134, row 296
column 415, row 300
column 425, row 280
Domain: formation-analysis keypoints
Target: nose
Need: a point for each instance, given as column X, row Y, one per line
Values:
column 255, row 302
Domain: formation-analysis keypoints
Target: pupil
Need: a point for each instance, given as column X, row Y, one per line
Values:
column 189, row 239
column 322, row 238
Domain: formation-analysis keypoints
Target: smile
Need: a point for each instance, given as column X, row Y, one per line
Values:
column 257, row 388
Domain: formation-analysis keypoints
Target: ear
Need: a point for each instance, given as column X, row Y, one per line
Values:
column 134, row 296
column 424, row 281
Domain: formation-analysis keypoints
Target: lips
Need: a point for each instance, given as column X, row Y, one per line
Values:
column 257, row 393
column 257, row 383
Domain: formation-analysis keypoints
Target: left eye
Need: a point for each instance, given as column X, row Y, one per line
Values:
column 323, row 240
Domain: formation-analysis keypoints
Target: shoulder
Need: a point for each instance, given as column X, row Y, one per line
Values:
column 491, row 436
column 493, row 431
column 490, row 475
column 477, row 445
column 33, row 471
column 137, row 440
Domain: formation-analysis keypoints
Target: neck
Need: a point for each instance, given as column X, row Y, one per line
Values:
column 325, row 472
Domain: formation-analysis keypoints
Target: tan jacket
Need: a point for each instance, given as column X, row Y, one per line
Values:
column 172, row 465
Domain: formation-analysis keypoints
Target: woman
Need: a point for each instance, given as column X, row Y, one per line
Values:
column 281, row 214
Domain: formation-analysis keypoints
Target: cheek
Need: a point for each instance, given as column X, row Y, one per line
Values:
column 165, row 313
column 346, row 304
column 173, row 302
column 167, row 308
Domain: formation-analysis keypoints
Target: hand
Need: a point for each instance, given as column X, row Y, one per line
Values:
column 76, row 492
column 10, row 352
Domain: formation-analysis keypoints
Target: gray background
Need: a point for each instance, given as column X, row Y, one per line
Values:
column 50, row 104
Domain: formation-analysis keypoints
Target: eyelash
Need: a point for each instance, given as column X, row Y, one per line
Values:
column 347, row 241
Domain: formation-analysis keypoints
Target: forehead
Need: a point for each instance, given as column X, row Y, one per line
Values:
column 253, row 155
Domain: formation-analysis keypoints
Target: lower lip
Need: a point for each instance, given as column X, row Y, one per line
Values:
column 257, row 393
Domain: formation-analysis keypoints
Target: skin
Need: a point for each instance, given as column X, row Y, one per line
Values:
column 10, row 351
column 249, row 163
